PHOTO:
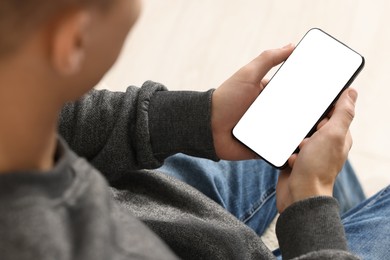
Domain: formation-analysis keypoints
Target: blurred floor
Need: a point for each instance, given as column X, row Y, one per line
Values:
column 197, row 44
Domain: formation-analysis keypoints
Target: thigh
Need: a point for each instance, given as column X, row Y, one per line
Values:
column 247, row 188
column 347, row 189
column 367, row 227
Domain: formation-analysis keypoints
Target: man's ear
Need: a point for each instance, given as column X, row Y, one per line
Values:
column 68, row 41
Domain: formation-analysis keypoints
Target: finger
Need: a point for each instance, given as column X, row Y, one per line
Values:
column 302, row 144
column 291, row 160
column 259, row 67
column 263, row 83
column 344, row 110
column 285, row 173
column 349, row 141
column 322, row 123
column 283, row 177
column 331, row 112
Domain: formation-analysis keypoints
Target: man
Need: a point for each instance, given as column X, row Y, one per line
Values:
column 56, row 206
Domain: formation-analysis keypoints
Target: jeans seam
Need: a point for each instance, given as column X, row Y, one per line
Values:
column 380, row 195
column 257, row 206
column 369, row 205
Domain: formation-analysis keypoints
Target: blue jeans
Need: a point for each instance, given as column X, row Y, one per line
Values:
column 247, row 190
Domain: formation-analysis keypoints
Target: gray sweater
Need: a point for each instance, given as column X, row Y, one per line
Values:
column 119, row 209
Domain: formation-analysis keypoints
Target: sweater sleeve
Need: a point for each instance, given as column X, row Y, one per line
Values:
column 138, row 128
column 312, row 229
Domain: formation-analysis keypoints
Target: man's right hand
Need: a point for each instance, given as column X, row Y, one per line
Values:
column 313, row 171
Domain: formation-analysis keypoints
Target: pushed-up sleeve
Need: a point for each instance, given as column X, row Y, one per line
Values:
column 138, row 128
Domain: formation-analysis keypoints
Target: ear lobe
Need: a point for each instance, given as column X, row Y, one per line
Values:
column 75, row 60
column 68, row 42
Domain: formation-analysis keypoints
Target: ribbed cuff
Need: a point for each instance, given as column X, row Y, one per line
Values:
column 310, row 225
column 143, row 133
column 180, row 122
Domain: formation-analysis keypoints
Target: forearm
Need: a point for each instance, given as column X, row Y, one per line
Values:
column 180, row 121
column 138, row 128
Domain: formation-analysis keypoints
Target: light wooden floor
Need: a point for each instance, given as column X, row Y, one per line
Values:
column 197, row 44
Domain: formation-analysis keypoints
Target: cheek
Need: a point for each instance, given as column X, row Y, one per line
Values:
column 113, row 30
column 106, row 40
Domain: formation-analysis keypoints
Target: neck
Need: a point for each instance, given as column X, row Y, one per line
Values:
column 28, row 116
column 32, row 151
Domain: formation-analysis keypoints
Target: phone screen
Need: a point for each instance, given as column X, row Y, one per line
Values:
column 297, row 97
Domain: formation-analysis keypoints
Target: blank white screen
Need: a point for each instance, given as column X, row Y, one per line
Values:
column 297, row 96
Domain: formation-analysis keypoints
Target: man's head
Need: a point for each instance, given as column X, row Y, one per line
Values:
column 67, row 43
column 19, row 18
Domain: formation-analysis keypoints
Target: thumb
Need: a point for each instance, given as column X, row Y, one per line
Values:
column 259, row 67
column 344, row 110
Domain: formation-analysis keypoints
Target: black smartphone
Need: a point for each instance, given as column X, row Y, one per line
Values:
column 298, row 96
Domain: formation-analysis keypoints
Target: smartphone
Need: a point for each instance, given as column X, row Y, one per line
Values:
column 298, row 96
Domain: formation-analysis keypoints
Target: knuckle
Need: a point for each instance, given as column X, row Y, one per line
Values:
column 251, row 68
column 350, row 111
column 248, row 71
column 268, row 56
column 337, row 137
column 266, row 53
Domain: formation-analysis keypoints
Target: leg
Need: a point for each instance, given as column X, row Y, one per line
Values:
column 347, row 189
column 367, row 227
column 247, row 188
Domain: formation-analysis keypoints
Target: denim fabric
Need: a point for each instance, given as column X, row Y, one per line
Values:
column 247, row 188
column 367, row 227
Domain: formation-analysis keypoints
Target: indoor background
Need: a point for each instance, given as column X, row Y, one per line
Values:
column 197, row 44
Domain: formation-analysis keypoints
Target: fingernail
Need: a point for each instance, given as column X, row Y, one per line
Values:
column 353, row 94
column 288, row 46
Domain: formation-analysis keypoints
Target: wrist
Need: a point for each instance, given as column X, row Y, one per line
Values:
column 309, row 188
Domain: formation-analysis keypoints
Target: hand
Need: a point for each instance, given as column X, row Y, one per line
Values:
column 313, row 171
column 231, row 100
